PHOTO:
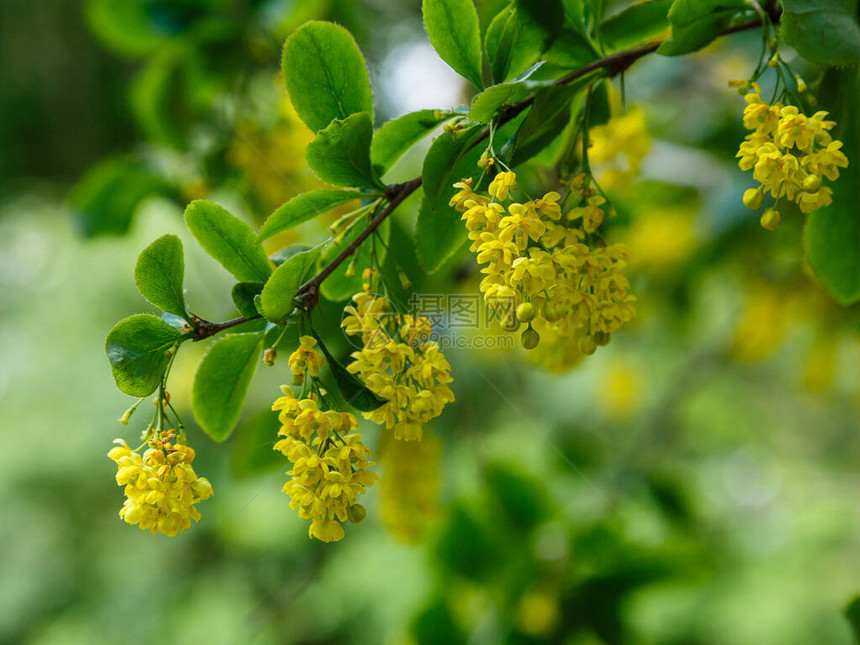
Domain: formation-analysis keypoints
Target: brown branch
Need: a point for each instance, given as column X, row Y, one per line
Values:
column 308, row 294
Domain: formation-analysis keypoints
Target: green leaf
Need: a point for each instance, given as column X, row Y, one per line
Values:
column 159, row 274
column 832, row 234
column 823, row 31
column 243, row 294
column 325, row 74
column 636, row 24
column 438, row 231
column 229, row 240
column 338, row 286
column 354, row 392
column 108, row 194
column 545, row 121
column 222, row 381
column 340, row 154
column 446, row 151
column 304, row 207
column 695, row 23
column 138, row 349
column 486, row 105
column 394, row 138
column 277, row 297
column 454, row 32
column 852, row 613
column 519, row 35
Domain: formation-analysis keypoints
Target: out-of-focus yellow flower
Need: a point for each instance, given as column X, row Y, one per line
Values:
column 664, row 239
column 763, row 323
column 621, row 391
column 537, row 613
column 409, row 491
column 617, row 148
column 161, row 487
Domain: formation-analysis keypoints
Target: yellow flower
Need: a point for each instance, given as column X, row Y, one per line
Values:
column 306, row 358
column 502, row 184
column 161, row 487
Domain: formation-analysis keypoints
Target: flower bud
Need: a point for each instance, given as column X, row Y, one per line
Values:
column 526, row 311
column 298, row 379
column 773, row 44
column 356, row 513
column 811, row 183
column 770, row 219
column 530, row 338
column 125, row 417
column 587, row 345
column 774, row 61
column 602, row 338
column 801, row 84
column 269, row 356
column 550, row 313
column 754, row 198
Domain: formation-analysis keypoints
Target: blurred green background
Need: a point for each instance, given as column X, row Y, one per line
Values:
column 694, row 482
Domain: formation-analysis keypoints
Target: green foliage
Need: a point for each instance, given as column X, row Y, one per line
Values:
column 222, row 381
column 824, row 31
column 832, row 234
column 277, row 296
column 695, row 23
column 159, row 274
column 108, row 194
column 394, row 138
column 520, row 499
column 325, row 74
column 229, row 240
column 519, row 35
column 243, row 295
column 139, row 350
column 340, row 154
column 304, row 207
column 636, row 23
column 436, row 623
column 354, row 392
column 438, row 232
column 486, row 105
column 545, row 121
column 852, row 613
column 454, row 32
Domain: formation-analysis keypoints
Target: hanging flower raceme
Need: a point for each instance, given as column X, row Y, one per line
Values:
column 545, row 268
column 329, row 461
column 398, row 363
column 161, row 487
column 790, row 154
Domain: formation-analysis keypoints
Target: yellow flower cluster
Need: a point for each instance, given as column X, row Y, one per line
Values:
column 399, row 363
column 161, row 487
column 789, row 154
column 330, row 464
column 547, row 268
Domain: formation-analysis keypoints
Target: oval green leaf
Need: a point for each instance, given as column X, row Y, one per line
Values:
column 159, row 274
column 222, row 381
column 304, row 207
column 325, row 74
column 276, row 299
column 340, row 154
column 394, row 138
column 454, row 32
column 229, row 240
column 138, row 349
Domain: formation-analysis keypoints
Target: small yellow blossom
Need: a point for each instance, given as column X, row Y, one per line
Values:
column 306, row 359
